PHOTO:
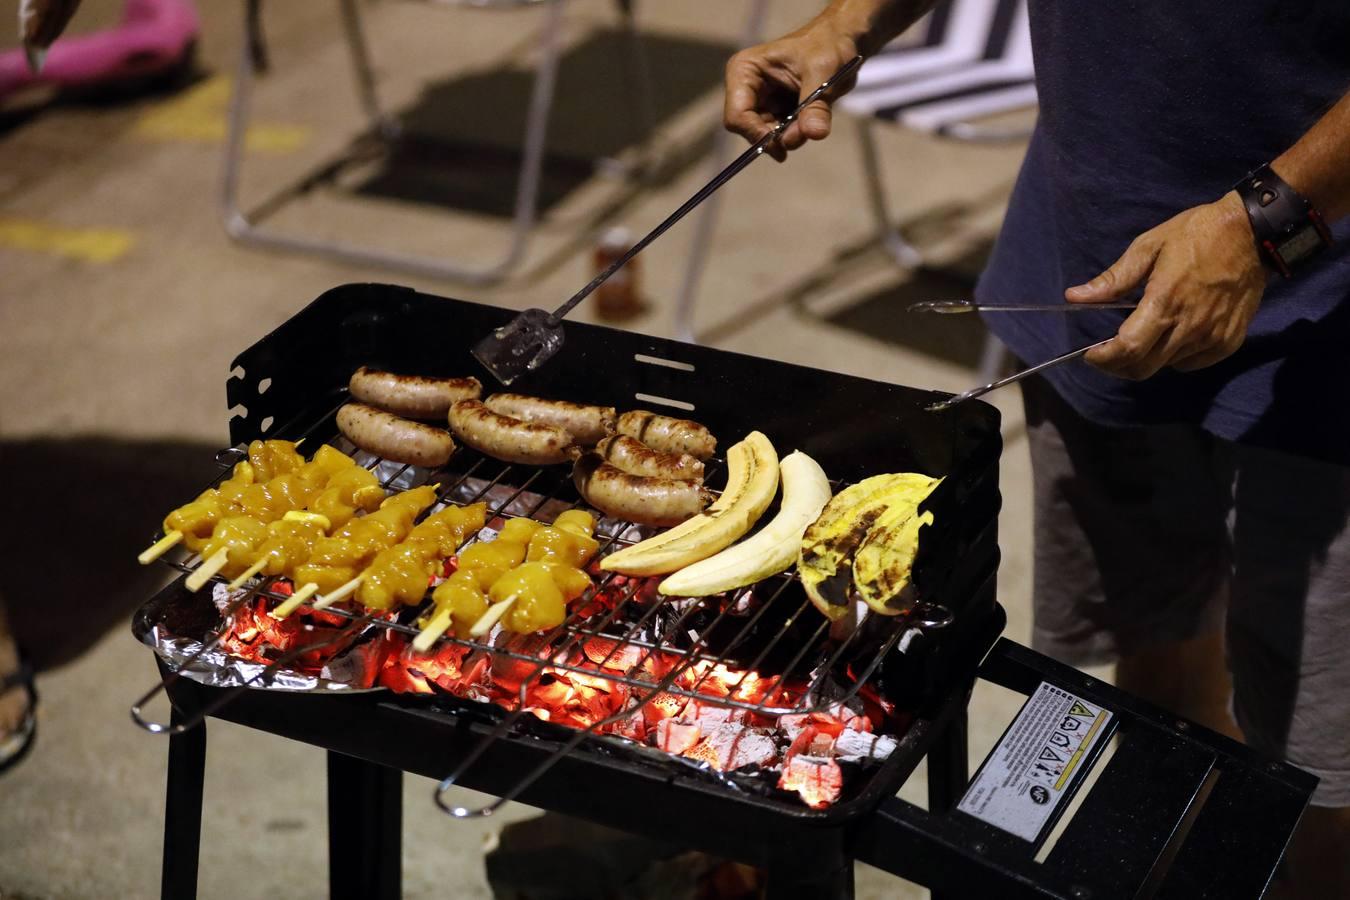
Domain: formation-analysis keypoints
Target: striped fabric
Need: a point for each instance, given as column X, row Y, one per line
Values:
column 974, row 61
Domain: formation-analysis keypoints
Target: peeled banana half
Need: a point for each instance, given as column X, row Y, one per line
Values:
column 752, row 482
column 827, row 548
column 806, row 490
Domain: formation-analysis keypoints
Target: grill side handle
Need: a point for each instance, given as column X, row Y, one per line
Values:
column 1177, row 809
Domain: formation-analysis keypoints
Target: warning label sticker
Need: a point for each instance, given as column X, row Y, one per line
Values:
column 1026, row 776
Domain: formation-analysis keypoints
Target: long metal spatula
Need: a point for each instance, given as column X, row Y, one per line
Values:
column 533, row 337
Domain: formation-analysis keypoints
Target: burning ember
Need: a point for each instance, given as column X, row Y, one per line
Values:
column 254, row 635
column 804, row 749
column 695, row 718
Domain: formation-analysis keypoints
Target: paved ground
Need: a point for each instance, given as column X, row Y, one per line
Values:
column 122, row 303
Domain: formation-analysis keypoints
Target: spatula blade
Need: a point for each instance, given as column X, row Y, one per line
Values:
column 520, row 346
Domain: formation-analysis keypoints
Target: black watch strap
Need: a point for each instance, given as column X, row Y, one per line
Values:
column 1288, row 230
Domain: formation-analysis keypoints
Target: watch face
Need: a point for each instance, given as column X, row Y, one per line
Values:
column 1300, row 246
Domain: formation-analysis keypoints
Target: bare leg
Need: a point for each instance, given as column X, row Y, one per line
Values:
column 1187, row 677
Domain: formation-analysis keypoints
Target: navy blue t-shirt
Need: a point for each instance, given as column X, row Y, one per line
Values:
column 1149, row 107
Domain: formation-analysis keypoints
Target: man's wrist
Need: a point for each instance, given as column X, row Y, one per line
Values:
column 1287, row 229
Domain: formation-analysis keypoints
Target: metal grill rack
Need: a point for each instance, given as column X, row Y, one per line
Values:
column 512, row 491
column 466, row 484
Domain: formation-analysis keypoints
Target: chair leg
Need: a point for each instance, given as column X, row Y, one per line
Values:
column 640, row 89
column 241, row 228
column 385, row 126
column 700, row 246
column 905, row 254
column 993, row 359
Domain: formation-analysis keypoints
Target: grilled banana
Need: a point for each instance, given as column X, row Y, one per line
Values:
column 828, row 545
column 772, row 549
column 882, row 565
column 752, row 481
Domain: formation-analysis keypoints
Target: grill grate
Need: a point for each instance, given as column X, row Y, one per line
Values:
column 518, row 491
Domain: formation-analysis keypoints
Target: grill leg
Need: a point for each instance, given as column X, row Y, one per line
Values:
column 183, row 812
column 948, row 773
column 365, row 829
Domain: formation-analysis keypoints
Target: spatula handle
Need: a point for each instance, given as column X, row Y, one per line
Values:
column 707, row 190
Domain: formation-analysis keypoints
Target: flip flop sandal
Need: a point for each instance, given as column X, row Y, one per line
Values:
column 15, row 746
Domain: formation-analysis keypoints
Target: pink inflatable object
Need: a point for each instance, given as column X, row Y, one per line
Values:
column 152, row 38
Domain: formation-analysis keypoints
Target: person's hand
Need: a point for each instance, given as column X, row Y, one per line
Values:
column 766, row 82
column 1204, row 281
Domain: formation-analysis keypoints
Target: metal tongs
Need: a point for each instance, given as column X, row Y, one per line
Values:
column 535, row 335
column 963, row 306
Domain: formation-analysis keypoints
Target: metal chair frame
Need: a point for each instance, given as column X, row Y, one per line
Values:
column 247, row 229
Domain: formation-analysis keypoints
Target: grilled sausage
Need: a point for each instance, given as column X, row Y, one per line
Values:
column 386, row 435
column 508, row 438
column 587, row 424
column 637, row 498
column 414, row 396
column 667, row 434
column 636, row 458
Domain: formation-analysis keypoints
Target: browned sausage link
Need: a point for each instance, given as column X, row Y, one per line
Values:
column 401, row 440
column 587, row 424
column 636, row 458
column 667, row 434
column 637, row 498
column 415, row 396
column 508, row 438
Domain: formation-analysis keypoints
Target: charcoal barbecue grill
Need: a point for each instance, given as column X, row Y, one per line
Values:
column 1177, row 811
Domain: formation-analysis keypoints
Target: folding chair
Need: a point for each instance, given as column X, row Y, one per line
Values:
column 972, row 61
column 245, row 229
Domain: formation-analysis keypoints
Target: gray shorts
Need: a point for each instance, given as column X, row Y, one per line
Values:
column 1163, row 533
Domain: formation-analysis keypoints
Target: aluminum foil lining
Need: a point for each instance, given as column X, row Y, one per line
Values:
column 217, row 668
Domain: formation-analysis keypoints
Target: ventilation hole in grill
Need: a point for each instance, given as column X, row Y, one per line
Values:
column 662, row 361
column 266, row 425
column 264, row 385
column 664, row 401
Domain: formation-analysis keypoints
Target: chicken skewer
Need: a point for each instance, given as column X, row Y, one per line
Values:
column 234, row 542
column 535, row 568
column 193, row 522
column 400, row 573
column 336, row 559
column 292, row 538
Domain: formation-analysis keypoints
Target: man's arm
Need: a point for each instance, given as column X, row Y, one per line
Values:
column 1203, row 276
column 766, row 82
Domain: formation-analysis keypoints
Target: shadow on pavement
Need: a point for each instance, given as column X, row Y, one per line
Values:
column 78, row 511
column 882, row 316
column 462, row 138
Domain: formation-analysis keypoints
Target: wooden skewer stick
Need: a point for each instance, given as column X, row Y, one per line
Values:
column 295, row 601
column 160, row 547
column 207, row 570
column 491, row 617
column 439, row 625
column 247, row 574
column 339, row 594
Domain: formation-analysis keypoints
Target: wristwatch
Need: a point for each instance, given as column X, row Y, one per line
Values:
column 1289, row 231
